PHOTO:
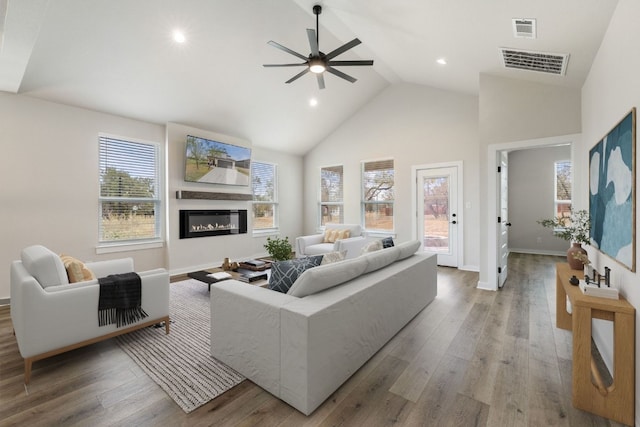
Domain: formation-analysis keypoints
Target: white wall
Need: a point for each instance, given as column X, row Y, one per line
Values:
column 49, row 179
column 531, row 198
column 414, row 125
column 510, row 111
column 611, row 90
column 190, row 254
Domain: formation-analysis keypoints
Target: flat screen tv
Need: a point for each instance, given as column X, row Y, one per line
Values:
column 215, row 162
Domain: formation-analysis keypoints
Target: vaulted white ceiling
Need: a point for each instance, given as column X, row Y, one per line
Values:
column 118, row 56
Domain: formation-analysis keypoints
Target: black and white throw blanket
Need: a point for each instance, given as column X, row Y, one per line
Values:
column 120, row 300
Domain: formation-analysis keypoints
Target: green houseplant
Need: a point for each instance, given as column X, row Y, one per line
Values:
column 575, row 229
column 279, row 249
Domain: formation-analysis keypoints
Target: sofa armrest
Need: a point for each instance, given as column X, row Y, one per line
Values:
column 353, row 246
column 245, row 330
column 112, row 266
column 303, row 241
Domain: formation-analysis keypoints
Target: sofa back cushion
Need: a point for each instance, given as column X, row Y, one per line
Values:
column 407, row 248
column 44, row 265
column 380, row 259
column 327, row 276
column 355, row 230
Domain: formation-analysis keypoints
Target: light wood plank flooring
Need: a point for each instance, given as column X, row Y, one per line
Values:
column 471, row 358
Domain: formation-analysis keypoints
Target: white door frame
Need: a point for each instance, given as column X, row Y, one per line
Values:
column 493, row 180
column 460, row 200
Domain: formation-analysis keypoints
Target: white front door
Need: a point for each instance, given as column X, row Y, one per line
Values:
column 438, row 217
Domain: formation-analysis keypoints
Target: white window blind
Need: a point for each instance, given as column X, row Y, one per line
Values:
column 378, row 195
column 265, row 195
column 129, row 190
column 331, row 195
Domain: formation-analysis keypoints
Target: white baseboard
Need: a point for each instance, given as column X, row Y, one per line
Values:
column 470, row 268
column 485, row 286
column 537, row 252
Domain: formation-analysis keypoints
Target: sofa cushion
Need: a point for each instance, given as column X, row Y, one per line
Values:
column 327, row 276
column 319, row 249
column 331, row 235
column 379, row 259
column 285, row 273
column 408, row 248
column 44, row 265
column 374, row 245
column 334, row 256
column 76, row 270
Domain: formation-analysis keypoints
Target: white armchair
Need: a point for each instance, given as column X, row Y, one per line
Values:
column 51, row 316
column 314, row 244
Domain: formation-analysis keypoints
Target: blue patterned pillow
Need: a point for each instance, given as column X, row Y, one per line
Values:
column 285, row 273
column 387, row 242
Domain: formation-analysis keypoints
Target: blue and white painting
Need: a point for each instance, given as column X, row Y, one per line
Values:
column 611, row 193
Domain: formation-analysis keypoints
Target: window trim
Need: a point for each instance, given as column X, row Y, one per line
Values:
column 320, row 226
column 109, row 246
column 363, row 203
column 275, row 202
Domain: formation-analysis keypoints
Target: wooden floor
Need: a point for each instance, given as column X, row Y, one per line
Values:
column 471, row 358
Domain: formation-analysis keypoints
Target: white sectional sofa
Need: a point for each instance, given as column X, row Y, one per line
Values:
column 302, row 348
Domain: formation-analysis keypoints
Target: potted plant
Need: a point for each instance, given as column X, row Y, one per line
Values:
column 575, row 229
column 279, row 249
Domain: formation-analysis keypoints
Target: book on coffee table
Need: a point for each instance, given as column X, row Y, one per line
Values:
column 255, row 265
column 251, row 276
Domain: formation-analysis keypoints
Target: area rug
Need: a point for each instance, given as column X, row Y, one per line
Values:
column 181, row 363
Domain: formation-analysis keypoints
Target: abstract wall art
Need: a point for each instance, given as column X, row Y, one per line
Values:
column 612, row 204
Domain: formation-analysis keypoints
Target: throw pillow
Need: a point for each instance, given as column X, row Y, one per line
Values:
column 332, row 257
column 76, row 270
column 387, row 242
column 285, row 273
column 376, row 245
column 331, row 235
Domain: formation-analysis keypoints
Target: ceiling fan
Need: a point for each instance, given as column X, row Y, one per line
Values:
column 318, row 62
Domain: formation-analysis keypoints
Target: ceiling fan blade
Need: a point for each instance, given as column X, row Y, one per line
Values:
column 313, row 42
column 284, row 65
column 297, row 76
column 341, row 74
column 286, row 49
column 345, row 47
column 320, row 81
column 345, row 63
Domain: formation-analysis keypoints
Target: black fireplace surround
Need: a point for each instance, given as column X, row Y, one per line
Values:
column 203, row 223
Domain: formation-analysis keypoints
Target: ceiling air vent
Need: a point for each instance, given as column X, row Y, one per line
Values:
column 552, row 63
column 524, row 28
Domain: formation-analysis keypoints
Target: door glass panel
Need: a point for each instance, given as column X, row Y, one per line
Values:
column 436, row 214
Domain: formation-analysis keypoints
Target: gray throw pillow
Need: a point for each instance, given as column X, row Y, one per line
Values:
column 387, row 242
column 285, row 273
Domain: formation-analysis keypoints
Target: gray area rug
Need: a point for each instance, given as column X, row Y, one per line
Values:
column 181, row 363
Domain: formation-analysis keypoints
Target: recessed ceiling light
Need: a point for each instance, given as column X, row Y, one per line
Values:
column 441, row 61
column 178, row 36
column 313, row 102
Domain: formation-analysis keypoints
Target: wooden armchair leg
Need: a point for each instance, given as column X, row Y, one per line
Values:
column 27, row 369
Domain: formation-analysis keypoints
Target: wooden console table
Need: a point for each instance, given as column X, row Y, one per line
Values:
column 617, row 401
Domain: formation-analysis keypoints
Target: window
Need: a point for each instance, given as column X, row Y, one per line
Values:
column 377, row 195
column 331, row 198
column 265, row 196
column 562, row 202
column 130, row 205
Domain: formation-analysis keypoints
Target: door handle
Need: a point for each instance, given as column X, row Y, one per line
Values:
column 508, row 224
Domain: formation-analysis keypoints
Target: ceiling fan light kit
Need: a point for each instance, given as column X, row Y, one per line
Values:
column 318, row 62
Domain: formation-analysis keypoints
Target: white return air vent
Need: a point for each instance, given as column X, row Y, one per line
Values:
column 524, row 28
column 542, row 62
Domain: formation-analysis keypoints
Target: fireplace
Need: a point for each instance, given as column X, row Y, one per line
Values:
column 203, row 223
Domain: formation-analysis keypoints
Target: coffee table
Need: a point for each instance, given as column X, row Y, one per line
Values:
column 203, row 276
